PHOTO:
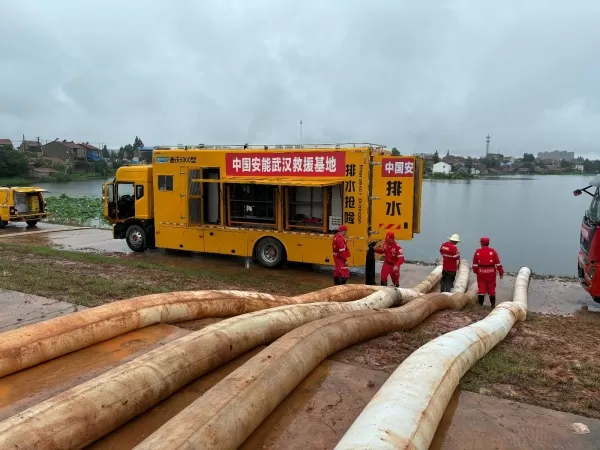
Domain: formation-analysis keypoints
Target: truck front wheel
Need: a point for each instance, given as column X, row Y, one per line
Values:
column 136, row 238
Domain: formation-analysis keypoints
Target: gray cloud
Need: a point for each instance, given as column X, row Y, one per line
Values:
column 416, row 75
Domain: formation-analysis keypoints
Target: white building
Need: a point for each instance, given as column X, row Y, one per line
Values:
column 579, row 167
column 441, row 167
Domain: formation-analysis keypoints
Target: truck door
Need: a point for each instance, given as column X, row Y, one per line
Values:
column 193, row 205
column 108, row 200
column 395, row 199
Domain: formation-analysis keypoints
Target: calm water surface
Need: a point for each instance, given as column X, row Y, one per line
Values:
column 533, row 222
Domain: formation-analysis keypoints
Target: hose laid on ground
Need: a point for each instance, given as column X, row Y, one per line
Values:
column 36, row 343
column 406, row 411
column 232, row 409
column 90, row 410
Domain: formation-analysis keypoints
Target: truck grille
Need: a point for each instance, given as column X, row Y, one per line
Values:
column 585, row 244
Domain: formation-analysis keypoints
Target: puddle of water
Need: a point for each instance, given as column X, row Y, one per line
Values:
column 440, row 435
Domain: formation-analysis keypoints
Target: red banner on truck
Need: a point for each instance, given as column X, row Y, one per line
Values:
column 397, row 167
column 296, row 164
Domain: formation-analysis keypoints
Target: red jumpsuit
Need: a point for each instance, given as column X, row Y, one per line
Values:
column 341, row 253
column 394, row 258
column 450, row 257
column 485, row 264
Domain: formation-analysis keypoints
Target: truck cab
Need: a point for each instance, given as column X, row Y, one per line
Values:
column 22, row 204
column 588, row 261
column 127, row 204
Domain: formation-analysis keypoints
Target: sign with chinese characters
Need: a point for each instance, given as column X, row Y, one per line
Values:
column 294, row 164
column 397, row 167
column 354, row 190
column 393, row 197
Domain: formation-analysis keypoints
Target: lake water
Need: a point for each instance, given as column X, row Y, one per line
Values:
column 533, row 222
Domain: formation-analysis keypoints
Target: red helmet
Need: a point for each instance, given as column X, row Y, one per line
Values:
column 343, row 228
column 390, row 236
column 485, row 241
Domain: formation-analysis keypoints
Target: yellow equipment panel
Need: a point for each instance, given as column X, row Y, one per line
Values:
column 396, row 196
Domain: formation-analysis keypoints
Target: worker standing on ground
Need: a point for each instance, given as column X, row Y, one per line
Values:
column 370, row 265
column 341, row 253
column 393, row 259
column 450, row 259
column 485, row 264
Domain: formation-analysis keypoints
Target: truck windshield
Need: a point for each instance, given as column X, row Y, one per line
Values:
column 594, row 211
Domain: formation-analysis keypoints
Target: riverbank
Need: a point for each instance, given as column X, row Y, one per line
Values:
column 549, row 360
column 24, row 181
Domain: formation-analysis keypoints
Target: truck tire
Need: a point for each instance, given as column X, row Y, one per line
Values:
column 3, row 224
column 136, row 238
column 31, row 223
column 270, row 253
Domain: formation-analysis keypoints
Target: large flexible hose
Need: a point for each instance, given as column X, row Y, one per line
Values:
column 229, row 412
column 86, row 412
column 33, row 344
column 407, row 410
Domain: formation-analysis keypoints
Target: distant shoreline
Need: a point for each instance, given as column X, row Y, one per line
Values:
column 507, row 176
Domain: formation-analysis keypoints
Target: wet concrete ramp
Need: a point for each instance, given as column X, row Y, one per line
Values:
column 314, row 416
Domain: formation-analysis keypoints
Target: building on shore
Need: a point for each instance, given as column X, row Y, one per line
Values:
column 441, row 167
column 556, row 155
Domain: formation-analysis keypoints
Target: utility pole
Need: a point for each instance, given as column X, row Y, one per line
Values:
column 487, row 144
column 300, row 131
column 40, row 146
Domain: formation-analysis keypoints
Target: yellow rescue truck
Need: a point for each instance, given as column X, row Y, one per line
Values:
column 275, row 204
column 22, row 204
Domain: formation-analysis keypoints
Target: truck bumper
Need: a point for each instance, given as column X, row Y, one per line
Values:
column 25, row 217
column 589, row 275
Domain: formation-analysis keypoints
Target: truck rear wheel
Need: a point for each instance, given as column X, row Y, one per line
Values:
column 3, row 224
column 31, row 223
column 136, row 238
column 270, row 252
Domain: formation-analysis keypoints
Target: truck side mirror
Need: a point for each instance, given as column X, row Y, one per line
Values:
column 577, row 192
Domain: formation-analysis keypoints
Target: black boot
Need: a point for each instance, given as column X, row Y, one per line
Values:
column 397, row 285
column 480, row 299
column 383, row 282
column 493, row 300
column 343, row 280
column 336, row 281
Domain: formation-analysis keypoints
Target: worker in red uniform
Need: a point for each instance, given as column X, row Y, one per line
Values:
column 341, row 253
column 485, row 264
column 393, row 259
column 450, row 260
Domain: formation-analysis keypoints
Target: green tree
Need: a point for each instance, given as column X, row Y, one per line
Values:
column 395, row 152
column 101, row 168
column 105, row 152
column 128, row 151
column 528, row 157
column 469, row 164
column 436, row 157
column 564, row 164
column 12, row 163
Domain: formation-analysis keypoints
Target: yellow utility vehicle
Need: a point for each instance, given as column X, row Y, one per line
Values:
column 275, row 204
column 22, row 204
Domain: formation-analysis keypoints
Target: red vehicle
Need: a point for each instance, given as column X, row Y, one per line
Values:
column 588, row 265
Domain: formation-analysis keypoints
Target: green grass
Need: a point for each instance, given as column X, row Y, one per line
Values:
column 14, row 181
column 503, row 366
column 91, row 279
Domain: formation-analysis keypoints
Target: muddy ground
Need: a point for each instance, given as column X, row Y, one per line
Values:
column 550, row 360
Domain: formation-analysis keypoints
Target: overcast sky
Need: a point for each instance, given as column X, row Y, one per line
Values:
column 419, row 76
